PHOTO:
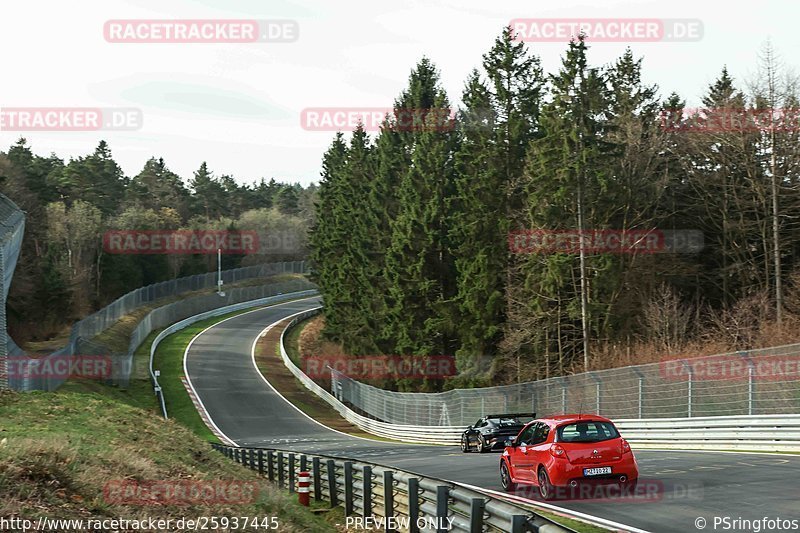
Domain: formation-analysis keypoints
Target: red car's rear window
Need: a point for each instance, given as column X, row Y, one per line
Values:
column 588, row 431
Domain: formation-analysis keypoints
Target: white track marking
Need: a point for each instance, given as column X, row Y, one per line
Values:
column 189, row 379
column 253, row 358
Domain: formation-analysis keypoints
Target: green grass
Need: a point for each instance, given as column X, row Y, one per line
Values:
column 58, row 451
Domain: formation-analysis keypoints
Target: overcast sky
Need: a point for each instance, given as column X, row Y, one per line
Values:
column 238, row 106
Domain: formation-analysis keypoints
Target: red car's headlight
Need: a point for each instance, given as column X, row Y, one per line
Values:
column 557, row 451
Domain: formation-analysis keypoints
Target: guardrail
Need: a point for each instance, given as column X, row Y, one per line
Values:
column 778, row 433
column 169, row 330
column 414, row 503
column 413, row 434
column 747, row 432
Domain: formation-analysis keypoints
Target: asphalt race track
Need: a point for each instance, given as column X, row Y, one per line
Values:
column 682, row 485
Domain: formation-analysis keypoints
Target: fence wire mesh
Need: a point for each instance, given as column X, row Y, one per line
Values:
column 758, row 382
column 12, row 227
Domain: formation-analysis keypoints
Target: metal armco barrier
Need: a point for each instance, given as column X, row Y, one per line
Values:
column 746, row 432
column 406, row 502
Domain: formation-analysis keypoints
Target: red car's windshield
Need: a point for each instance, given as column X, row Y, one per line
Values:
column 590, row 431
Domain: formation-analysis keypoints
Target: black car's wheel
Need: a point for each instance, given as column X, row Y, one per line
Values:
column 482, row 446
column 505, row 478
column 546, row 490
column 464, row 444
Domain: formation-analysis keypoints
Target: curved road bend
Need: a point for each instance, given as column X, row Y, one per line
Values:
column 695, row 484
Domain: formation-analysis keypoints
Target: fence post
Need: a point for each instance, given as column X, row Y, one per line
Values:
column 476, row 508
column 348, row 488
column 689, row 380
column 333, row 493
column 291, row 472
column 597, row 384
column 413, row 504
column 317, row 479
column 281, row 476
column 270, row 466
column 367, row 490
column 750, row 383
column 442, row 497
column 388, row 497
column 304, row 463
column 252, row 459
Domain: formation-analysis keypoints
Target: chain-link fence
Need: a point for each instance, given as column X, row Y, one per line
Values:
column 12, row 227
column 49, row 372
column 764, row 381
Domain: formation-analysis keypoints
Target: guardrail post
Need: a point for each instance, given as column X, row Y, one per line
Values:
column 413, row 504
column 317, row 479
column 442, row 501
column 261, row 462
column 291, row 472
column 476, row 508
column 348, row 488
column 333, row 493
column 270, row 466
column 252, row 459
column 304, row 463
column 519, row 524
column 281, row 477
column 238, row 455
column 367, row 490
column 388, row 497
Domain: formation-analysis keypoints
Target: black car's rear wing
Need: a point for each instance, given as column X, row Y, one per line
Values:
column 513, row 415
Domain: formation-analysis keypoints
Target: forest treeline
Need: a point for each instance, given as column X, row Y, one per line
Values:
column 64, row 273
column 410, row 245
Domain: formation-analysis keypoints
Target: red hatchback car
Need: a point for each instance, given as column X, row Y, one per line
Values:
column 561, row 452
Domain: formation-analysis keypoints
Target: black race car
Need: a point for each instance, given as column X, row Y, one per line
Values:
column 492, row 431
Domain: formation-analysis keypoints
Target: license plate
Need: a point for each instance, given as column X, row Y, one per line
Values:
column 598, row 471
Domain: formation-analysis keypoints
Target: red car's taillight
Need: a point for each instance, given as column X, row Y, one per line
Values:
column 626, row 448
column 557, row 451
